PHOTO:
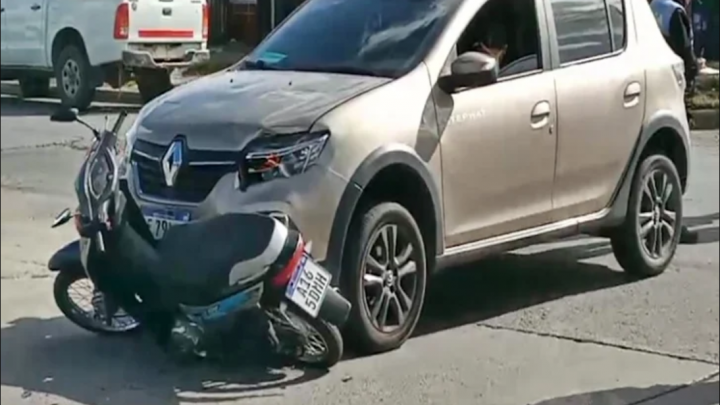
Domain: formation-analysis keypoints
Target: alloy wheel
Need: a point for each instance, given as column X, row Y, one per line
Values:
column 657, row 219
column 390, row 279
column 71, row 78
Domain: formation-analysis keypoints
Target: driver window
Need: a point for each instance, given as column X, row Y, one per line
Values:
column 507, row 30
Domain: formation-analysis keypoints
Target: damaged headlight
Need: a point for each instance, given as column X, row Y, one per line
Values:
column 281, row 157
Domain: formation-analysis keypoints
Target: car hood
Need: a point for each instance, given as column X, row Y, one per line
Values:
column 227, row 110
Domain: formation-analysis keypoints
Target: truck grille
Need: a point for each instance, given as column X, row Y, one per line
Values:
column 195, row 180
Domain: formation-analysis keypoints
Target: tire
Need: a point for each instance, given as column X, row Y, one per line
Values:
column 152, row 83
column 331, row 337
column 73, row 74
column 63, row 301
column 32, row 86
column 364, row 332
column 638, row 256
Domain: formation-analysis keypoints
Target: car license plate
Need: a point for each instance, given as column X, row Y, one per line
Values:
column 308, row 286
column 160, row 220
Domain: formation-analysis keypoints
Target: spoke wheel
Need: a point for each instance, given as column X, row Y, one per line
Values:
column 657, row 219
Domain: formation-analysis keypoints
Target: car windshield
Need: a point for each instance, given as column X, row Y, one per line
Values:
column 384, row 38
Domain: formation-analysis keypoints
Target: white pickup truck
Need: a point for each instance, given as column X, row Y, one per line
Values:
column 85, row 43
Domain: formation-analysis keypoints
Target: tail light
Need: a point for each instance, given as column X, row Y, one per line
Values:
column 282, row 278
column 205, row 21
column 122, row 22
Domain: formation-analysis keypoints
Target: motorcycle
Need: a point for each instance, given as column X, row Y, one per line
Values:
column 194, row 288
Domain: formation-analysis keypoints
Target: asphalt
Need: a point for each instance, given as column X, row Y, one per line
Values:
column 553, row 324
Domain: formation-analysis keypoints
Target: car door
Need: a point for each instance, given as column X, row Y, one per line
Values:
column 25, row 30
column 601, row 103
column 498, row 150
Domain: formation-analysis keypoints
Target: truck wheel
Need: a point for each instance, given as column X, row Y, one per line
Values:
column 32, row 86
column 646, row 243
column 384, row 277
column 152, row 83
column 74, row 78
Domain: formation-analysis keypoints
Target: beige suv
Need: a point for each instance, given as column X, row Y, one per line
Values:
column 404, row 136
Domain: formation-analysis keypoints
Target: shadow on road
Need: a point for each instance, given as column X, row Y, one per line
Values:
column 117, row 371
column 511, row 282
column 16, row 107
column 705, row 393
column 52, row 357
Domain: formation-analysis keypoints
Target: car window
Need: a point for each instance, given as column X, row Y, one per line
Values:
column 582, row 29
column 508, row 31
column 375, row 37
column 617, row 23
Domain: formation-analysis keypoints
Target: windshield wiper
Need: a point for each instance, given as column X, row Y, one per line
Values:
column 341, row 69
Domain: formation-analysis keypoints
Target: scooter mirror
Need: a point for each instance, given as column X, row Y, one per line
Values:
column 62, row 218
column 64, row 115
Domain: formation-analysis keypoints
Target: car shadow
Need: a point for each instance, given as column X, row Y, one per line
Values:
column 512, row 282
column 53, row 357
column 11, row 106
column 704, row 393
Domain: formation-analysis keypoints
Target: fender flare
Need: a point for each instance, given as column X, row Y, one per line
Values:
column 67, row 258
column 659, row 121
column 378, row 160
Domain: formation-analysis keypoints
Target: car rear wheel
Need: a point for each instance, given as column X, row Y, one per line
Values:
column 646, row 243
column 384, row 277
column 73, row 74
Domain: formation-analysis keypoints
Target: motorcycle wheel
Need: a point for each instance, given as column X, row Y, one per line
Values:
column 86, row 318
column 324, row 343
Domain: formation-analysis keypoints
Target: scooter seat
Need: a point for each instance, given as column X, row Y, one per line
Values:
column 205, row 260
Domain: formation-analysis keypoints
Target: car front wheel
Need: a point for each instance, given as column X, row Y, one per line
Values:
column 646, row 243
column 384, row 277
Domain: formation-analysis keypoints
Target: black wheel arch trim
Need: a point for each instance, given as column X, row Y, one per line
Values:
column 379, row 159
column 659, row 121
column 67, row 258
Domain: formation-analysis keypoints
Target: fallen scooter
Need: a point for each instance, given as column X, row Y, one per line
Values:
column 191, row 289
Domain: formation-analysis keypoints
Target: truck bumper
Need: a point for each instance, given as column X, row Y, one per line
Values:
column 134, row 59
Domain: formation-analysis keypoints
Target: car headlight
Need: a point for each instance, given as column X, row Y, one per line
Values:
column 281, row 156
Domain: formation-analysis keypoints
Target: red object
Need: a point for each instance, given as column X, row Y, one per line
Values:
column 205, row 21
column 283, row 277
column 121, row 29
column 166, row 33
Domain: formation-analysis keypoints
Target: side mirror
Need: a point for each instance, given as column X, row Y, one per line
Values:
column 62, row 218
column 470, row 70
column 65, row 115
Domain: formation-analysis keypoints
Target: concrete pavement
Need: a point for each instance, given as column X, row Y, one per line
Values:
column 548, row 325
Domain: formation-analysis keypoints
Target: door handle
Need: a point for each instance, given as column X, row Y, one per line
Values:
column 631, row 98
column 540, row 116
column 35, row 7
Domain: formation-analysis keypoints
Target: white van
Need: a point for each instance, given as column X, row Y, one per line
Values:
column 85, row 43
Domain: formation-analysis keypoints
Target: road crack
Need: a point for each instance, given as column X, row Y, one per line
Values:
column 72, row 144
column 598, row 342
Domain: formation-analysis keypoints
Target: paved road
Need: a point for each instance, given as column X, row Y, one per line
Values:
column 554, row 324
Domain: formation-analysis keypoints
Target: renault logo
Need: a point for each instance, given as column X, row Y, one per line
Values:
column 172, row 161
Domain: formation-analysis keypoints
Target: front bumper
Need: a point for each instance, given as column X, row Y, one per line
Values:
column 144, row 59
column 310, row 200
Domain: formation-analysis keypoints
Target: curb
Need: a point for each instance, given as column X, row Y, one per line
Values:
column 705, row 119
column 102, row 94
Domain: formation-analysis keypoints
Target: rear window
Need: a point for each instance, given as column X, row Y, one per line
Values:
column 376, row 37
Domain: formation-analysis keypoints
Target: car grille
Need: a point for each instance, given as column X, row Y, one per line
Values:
column 196, row 178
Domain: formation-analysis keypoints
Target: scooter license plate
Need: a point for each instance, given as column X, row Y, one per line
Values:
column 308, row 286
